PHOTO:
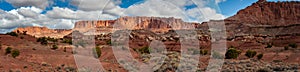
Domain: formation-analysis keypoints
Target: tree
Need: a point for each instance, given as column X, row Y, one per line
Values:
column 8, row 50
column 98, row 52
column 232, row 53
column 15, row 53
column 259, row 56
column 250, row 53
column 24, row 32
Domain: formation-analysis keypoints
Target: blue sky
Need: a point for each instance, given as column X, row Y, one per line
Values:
column 62, row 14
column 227, row 8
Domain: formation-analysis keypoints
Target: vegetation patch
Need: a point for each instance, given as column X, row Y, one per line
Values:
column 232, row 53
column 250, row 53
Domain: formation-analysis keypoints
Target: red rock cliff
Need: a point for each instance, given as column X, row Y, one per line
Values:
column 270, row 13
column 156, row 24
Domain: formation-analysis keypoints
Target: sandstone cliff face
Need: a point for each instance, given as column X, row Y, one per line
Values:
column 43, row 32
column 155, row 24
column 270, row 13
column 262, row 18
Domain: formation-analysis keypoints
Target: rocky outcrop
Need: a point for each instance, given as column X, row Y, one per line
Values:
column 155, row 24
column 270, row 13
column 263, row 19
column 43, row 32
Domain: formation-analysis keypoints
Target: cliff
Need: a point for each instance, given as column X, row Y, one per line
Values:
column 155, row 24
column 263, row 18
column 43, row 32
column 270, row 13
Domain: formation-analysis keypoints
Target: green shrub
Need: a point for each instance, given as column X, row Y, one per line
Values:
column 54, row 47
column 145, row 50
column 69, row 41
column 51, row 39
column 12, row 34
column 109, row 42
column 286, row 47
column 8, row 50
column 15, row 53
column 250, row 53
column 293, row 45
column 42, row 40
column 98, row 52
column 232, row 53
column 259, row 56
column 203, row 52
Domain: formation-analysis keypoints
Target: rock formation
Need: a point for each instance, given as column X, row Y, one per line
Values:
column 155, row 24
column 44, row 32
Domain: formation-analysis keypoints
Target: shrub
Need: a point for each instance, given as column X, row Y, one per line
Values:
column 269, row 46
column 108, row 42
column 22, row 37
column 250, row 53
column 263, row 70
column 232, row 53
column 15, row 53
column 8, row 50
column 54, row 47
column 286, row 47
column 97, row 52
column 145, row 50
column 203, row 52
column 293, row 45
column 12, row 34
column 259, row 56
column 43, row 40
column 51, row 39
column 69, row 41
column 24, row 32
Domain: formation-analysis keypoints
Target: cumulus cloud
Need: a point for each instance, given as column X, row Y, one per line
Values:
column 30, row 16
column 31, row 12
column 37, row 3
column 62, row 18
column 93, row 5
column 175, row 8
column 61, row 13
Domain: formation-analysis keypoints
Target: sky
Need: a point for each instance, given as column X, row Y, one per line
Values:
column 62, row 14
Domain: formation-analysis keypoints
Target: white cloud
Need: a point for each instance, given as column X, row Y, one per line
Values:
column 61, row 13
column 175, row 8
column 94, row 5
column 101, row 9
column 37, row 3
column 30, row 12
column 219, row 1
